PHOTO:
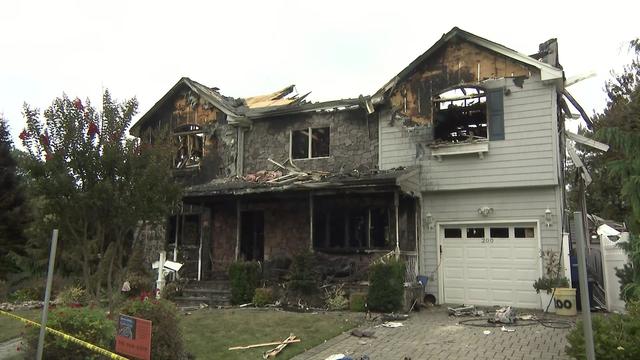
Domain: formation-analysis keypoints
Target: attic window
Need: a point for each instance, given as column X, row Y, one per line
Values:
column 460, row 115
column 188, row 144
column 310, row 143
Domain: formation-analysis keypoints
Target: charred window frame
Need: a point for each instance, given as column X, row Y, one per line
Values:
column 310, row 143
column 357, row 228
column 188, row 144
column 460, row 115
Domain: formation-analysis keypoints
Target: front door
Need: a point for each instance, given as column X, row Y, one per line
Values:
column 185, row 233
column 252, row 236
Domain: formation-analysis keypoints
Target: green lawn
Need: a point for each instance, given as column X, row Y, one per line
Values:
column 209, row 333
column 11, row 328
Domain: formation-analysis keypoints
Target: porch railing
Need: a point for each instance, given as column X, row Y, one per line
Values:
column 410, row 259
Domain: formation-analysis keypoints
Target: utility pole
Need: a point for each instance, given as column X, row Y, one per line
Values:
column 47, row 294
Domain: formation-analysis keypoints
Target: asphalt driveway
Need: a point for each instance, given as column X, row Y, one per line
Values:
column 433, row 334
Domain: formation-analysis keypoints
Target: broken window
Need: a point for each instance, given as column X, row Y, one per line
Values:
column 346, row 228
column 188, row 144
column 310, row 143
column 460, row 115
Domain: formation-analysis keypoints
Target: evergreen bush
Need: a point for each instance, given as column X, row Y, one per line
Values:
column 386, row 286
column 302, row 276
column 244, row 276
column 167, row 342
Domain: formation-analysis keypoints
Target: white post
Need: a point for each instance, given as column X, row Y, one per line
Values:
column 160, row 282
column 47, row 294
column 396, row 203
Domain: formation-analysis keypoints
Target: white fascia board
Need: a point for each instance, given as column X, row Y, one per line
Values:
column 586, row 141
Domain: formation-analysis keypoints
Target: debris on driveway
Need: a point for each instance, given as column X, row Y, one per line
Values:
column 505, row 329
column 363, row 333
column 487, row 332
column 392, row 324
column 465, row 311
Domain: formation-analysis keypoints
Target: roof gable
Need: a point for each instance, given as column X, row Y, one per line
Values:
column 547, row 72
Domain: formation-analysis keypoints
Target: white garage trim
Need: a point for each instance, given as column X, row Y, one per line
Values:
column 439, row 239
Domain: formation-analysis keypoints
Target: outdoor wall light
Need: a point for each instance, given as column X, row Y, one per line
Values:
column 429, row 219
column 547, row 217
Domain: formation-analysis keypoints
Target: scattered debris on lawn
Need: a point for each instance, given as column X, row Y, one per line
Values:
column 265, row 344
column 25, row 305
column 245, row 305
column 392, row 324
column 275, row 351
column 363, row 333
column 505, row 329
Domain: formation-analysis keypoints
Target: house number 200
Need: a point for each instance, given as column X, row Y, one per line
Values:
column 487, row 241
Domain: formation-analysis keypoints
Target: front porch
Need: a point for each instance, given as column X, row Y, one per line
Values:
column 348, row 223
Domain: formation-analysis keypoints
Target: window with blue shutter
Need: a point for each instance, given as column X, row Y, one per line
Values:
column 460, row 115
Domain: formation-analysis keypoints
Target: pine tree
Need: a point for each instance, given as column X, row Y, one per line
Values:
column 13, row 210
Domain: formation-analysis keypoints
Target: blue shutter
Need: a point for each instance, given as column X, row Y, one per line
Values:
column 495, row 116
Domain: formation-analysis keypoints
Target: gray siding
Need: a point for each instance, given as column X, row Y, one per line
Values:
column 527, row 156
column 514, row 205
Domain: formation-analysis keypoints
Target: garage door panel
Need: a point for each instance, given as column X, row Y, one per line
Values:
column 497, row 271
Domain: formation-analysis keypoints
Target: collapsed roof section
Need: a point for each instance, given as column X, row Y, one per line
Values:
column 240, row 111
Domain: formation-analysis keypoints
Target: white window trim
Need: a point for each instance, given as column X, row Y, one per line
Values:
column 479, row 147
column 310, row 157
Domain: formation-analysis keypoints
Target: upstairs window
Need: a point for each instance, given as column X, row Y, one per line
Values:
column 460, row 115
column 466, row 114
column 188, row 144
column 310, row 143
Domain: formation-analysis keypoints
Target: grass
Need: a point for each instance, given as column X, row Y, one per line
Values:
column 209, row 333
column 12, row 328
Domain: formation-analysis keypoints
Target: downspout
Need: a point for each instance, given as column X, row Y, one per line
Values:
column 240, row 153
column 396, row 205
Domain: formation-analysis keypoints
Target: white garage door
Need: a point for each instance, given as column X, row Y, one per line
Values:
column 490, row 264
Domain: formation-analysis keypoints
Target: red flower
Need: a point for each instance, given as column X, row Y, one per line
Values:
column 78, row 104
column 93, row 129
column 23, row 135
column 48, row 157
column 44, row 140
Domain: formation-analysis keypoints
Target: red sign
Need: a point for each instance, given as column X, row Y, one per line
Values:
column 134, row 337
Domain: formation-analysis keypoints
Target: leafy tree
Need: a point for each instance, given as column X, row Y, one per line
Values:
column 95, row 185
column 617, row 173
column 13, row 210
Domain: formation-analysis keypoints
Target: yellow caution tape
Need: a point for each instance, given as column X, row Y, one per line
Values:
column 83, row 343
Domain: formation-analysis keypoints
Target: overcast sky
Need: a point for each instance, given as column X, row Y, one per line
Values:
column 336, row 49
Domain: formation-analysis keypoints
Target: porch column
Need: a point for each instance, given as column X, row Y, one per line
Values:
column 396, row 205
column 311, row 221
column 237, row 229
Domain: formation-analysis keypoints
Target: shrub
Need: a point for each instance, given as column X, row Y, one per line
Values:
column 171, row 291
column 615, row 337
column 26, row 294
column 88, row 324
column 547, row 284
column 302, row 276
column 139, row 278
column 263, row 296
column 72, row 295
column 167, row 341
column 386, row 286
column 358, row 302
column 244, row 280
column 336, row 299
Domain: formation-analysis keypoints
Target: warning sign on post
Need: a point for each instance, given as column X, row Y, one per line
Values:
column 134, row 337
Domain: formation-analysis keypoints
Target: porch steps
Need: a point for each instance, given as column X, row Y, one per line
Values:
column 212, row 292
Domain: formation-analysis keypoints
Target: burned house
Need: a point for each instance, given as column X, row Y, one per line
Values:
column 455, row 165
